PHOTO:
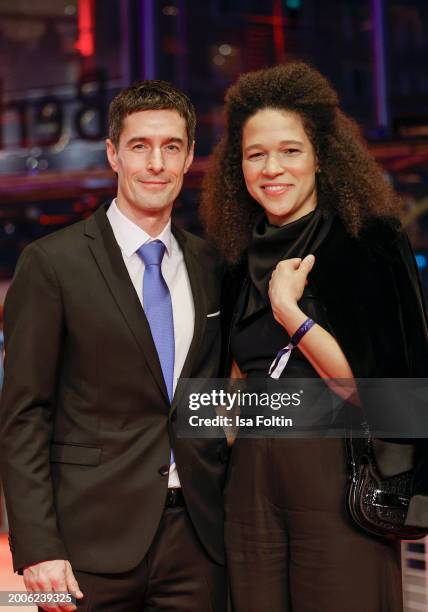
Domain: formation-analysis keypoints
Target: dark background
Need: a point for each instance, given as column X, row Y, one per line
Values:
column 61, row 62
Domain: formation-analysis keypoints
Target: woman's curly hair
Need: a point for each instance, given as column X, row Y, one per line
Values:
column 349, row 182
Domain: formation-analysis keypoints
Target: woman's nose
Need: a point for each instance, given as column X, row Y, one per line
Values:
column 273, row 166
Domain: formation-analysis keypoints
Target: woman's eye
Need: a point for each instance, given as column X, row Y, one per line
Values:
column 255, row 155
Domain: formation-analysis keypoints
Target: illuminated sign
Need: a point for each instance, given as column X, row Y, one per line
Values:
column 41, row 122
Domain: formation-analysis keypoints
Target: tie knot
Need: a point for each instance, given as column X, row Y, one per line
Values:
column 152, row 253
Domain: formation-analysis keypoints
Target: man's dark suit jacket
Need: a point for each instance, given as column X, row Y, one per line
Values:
column 85, row 420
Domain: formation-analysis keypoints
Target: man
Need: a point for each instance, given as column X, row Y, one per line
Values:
column 101, row 320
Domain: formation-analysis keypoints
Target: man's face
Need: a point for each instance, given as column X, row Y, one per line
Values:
column 150, row 160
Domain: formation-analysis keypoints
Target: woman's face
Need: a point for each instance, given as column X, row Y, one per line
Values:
column 279, row 165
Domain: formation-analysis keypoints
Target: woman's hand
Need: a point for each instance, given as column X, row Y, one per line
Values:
column 318, row 346
column 287, row 284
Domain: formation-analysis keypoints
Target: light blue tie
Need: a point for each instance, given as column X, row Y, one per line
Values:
column 158, row 309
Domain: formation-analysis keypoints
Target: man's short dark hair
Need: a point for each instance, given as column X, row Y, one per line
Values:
column 150, row 95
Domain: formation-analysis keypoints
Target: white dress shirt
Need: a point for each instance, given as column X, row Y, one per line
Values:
column 130, row 237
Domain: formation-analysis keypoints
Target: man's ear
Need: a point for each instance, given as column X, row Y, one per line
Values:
column 189, row 157
column 111, row 155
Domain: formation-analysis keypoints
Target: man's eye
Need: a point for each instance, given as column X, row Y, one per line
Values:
column 290, row 151
column 173, row 147
column 138, row 147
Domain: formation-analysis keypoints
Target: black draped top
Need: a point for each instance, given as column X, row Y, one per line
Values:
column 256, row 336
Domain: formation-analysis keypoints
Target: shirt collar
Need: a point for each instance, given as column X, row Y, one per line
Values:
column 130, row 237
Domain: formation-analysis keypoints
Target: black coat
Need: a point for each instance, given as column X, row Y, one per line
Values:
column 372, row 297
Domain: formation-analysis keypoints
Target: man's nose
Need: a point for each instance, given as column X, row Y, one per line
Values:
column 273, row 166
column 155, row 162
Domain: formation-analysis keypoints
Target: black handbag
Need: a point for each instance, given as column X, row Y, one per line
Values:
column 378, row 505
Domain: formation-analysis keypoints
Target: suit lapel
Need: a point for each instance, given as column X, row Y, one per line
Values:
column 107, row 254
column 197, row 279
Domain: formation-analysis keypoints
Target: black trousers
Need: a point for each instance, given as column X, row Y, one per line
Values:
column 290, row 544
column 175, row 576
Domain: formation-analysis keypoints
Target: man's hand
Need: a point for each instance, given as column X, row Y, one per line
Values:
column 52, row 576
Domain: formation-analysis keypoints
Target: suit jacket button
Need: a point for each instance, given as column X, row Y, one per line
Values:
column 174, row 416
column 164, row 470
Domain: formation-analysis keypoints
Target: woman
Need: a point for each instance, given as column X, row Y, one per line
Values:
column 310, row 227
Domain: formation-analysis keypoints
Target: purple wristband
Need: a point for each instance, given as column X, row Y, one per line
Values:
column 298, row 335
column 278, row 364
